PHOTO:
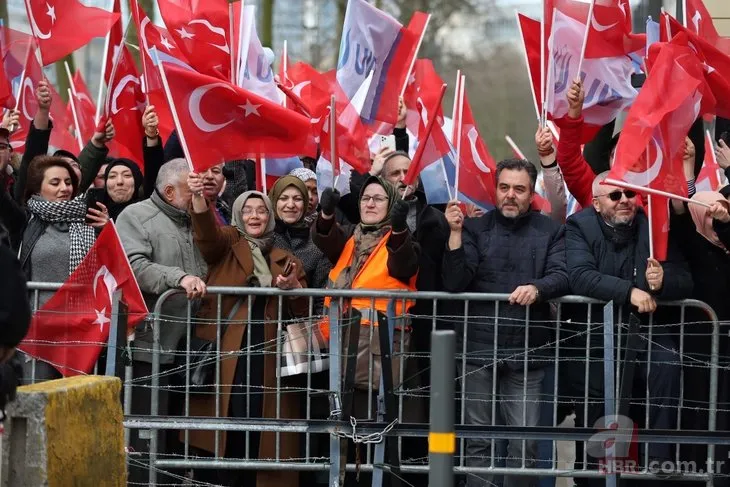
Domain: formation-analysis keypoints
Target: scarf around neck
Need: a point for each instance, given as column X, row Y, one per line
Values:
column 72, row 213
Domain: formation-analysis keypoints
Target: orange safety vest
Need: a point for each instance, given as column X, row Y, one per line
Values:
column 373, row 275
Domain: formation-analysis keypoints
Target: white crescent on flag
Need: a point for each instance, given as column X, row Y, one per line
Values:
column 472, row 135
column 644, row 178
column 119, row 89
column 215, row 30
column 34, row 25
column 194, row 106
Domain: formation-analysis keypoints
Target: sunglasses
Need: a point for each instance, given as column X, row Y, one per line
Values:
column 616, row 195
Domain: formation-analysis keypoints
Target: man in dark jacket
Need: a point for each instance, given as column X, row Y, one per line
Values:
column 607, row 248
column 508, row 250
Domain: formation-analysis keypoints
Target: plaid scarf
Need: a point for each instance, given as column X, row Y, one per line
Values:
column 73, row 212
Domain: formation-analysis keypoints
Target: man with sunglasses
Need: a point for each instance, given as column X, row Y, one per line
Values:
column 607, row 249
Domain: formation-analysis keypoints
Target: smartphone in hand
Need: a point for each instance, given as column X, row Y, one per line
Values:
column 387, row 141
column 94, row 196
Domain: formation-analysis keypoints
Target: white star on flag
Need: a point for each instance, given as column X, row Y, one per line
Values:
column 166, row 43
column 101, row 318
column 185, row 34
column 51, row 13
column 250, row 108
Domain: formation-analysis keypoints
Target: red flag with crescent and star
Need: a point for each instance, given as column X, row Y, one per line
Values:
column 201, row 31
column 71, row 328
column 62, row 26
column 652, row 144
column 219, row 121
column 125, row 104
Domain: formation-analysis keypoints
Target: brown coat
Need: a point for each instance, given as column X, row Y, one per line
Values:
column 230, row 264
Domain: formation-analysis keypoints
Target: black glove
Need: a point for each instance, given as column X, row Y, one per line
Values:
column 328, row 201
column 399, row 216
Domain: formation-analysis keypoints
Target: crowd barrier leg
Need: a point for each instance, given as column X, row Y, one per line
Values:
column 609, row 401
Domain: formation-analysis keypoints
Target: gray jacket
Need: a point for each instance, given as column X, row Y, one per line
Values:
column 158, row 239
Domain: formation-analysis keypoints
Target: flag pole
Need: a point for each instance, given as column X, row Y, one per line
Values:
column 242, row 47
column 104, row 59
column 543, row 88
column 231, row 32
column 529, row 71
column 115, row 63
column 585, row 37
column 70, row 78
column 514, row 147
column 455, row 110
column 462, row 85
column 422, row 144
column 333, row 141
column 657, row 192
column 651, row 225
column 415, row 56
column 718, row 172
column 173, row 111
column 685, row 20
column 76, row 119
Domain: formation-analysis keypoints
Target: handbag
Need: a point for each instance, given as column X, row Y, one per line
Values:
column 203, row 357
column 303, row 349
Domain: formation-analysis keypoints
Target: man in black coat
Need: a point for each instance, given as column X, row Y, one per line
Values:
column 510, row 250
column 608, row 257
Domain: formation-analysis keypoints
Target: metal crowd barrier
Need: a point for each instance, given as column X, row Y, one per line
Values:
column 322, row 429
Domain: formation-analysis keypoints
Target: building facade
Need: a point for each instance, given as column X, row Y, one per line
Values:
column 720, row 10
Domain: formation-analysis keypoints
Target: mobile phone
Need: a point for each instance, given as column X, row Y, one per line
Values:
column 94, row 196
column 387, row 141
column 288, row 267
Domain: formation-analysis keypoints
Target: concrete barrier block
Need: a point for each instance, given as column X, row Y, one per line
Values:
column 66, row 432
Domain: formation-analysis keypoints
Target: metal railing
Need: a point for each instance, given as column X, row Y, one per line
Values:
column 322, row 431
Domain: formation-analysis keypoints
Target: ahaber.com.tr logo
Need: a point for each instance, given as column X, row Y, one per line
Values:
column 616, row 446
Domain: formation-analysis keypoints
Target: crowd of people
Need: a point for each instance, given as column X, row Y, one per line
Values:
column 187, row 231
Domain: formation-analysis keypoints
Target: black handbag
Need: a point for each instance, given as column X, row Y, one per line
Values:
column 203, row 357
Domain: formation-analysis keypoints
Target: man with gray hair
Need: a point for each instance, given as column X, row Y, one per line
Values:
column 158, row 238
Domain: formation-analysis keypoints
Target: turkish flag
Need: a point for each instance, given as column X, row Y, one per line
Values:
column 201, row 31
column 716, row 64
column 652, row 143
column 61, row 27
column 61, row 138
column 424, row 87
column 699, row 22
column 476, row 165
column 707, row 179
column 85, row 107
column 116, row 39
column 220, row 122
column 530, row 33
column 310, row 92
column 125, row 103
column 432, row 142
column 70, row 330
column 157, row 38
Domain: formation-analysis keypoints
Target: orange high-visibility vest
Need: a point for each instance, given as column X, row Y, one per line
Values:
column 373, row 275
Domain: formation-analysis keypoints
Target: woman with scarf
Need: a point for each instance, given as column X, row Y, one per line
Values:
column 377, row 253
column 244, row 254
column 291, row 232
column 704, row 237
column 57, row 236
column 309, row 178
column 122, row 182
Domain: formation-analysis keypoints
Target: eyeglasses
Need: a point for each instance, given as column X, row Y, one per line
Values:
column 258, row 211
column 616, row 195
column 379, row 200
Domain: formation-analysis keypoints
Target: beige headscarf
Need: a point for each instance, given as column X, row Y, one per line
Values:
column 701, row 215
column 260, row 246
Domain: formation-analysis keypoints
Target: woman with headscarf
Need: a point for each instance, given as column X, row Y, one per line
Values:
column 59, row 233
column 309, row 178
column 703, row 235
column 291, row 232
column 122, row 182
column 244, row 254
column 377, row 253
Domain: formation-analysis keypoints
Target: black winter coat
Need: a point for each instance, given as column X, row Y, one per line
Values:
column 498, row 255
column 602, row 267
